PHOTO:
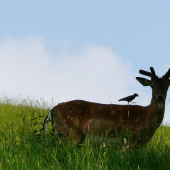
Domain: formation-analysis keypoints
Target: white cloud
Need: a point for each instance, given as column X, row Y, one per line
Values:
column 94, row 73
column 26, row 68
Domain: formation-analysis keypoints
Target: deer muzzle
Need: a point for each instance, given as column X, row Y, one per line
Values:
column 160, row 101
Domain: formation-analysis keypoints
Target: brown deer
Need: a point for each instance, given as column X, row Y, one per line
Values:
column 79, row 117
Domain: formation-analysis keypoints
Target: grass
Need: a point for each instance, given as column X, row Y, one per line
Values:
column 22, row 147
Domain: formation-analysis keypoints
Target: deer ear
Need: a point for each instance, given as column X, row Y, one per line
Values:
column 144, row 81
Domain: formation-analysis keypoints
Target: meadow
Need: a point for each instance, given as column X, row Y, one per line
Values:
column 23, row 148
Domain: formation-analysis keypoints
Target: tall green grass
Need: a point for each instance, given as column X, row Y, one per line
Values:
column 22, row 147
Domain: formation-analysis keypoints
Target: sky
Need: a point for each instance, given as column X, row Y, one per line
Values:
column 89, row 50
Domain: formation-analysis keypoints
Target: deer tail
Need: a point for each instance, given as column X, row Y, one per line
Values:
column 46, row 120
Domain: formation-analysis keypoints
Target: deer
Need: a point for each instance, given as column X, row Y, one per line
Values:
column 80, row 118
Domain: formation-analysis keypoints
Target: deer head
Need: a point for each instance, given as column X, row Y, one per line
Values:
column 159, row 85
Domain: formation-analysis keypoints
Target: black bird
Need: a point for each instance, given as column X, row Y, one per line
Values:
column 129, row 98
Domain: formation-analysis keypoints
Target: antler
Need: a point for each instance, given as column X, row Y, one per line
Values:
column 167, row 75
column 150, row 74
column 153, row 73
column 146, row 73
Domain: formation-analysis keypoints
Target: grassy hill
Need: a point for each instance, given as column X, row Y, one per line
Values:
column 22, row 147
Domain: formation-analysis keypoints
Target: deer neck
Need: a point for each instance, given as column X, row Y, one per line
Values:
column 156, row 111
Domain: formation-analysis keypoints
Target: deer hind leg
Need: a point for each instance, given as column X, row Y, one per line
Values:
column 78, row 138
column 81, row 141
column 75, row 135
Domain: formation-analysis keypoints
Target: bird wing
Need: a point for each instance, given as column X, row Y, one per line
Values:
column 128, row 98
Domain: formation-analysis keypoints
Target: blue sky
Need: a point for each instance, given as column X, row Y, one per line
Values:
column 90, row 50
column 137, row 30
